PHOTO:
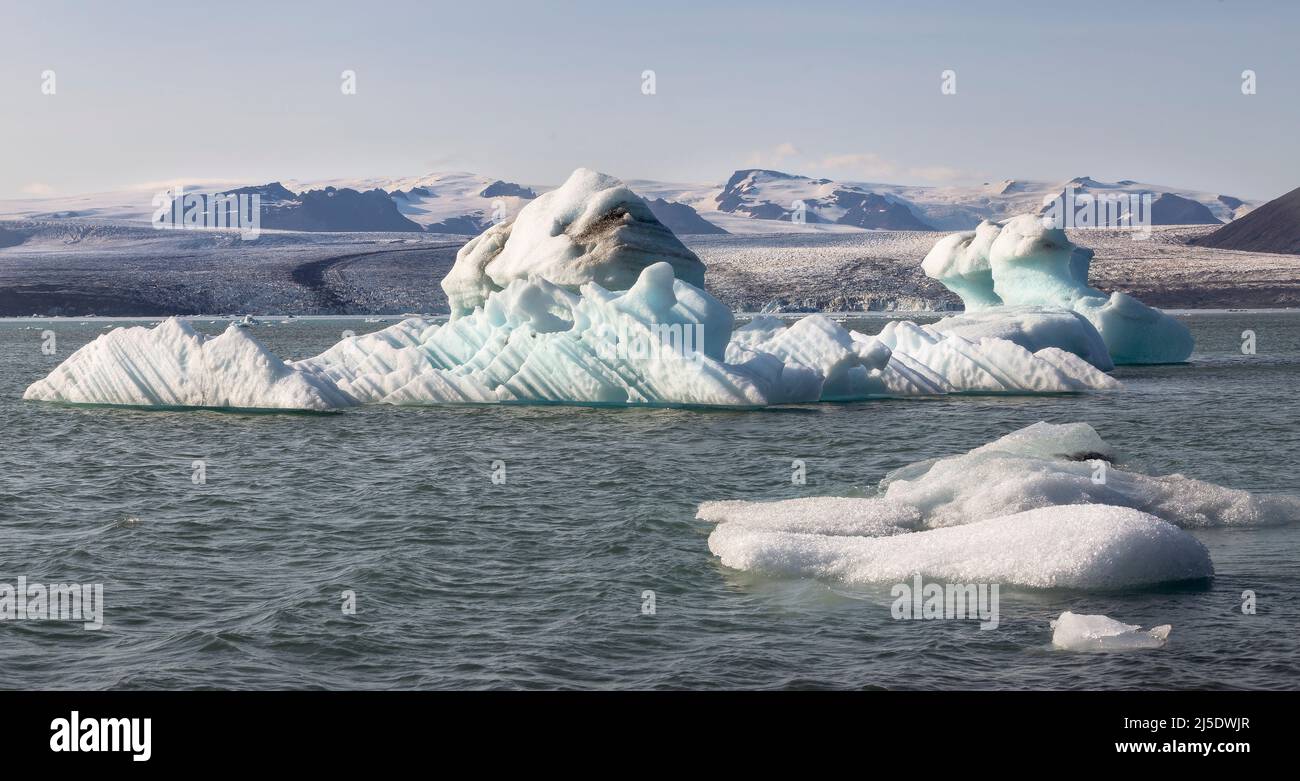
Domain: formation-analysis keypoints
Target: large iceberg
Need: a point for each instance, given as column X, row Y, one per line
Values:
column 583, row 298
column 1044, row 506
column 1029, row 275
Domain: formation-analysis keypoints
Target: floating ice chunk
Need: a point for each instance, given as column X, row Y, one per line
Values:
column 1047, row 465
column 592, row 229
column 1081, row 547
column 1027, row 264
column 172, row 365
column 1074, row 632
column 1042, row 506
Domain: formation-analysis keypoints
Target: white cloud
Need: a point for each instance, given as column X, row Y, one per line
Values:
column 873, row 167
column 853, row 166
column 774, row 157
column 38, row 189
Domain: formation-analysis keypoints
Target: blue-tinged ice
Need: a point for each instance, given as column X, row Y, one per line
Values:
column 1022, row 271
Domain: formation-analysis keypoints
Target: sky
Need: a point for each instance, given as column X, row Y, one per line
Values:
column 253, row 92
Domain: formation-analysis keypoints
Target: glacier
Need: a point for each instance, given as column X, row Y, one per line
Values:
column 1044, row 507
column 1030, row 276
column 582, row 298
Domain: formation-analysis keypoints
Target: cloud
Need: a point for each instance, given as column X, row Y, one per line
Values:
column 866, row 164
column 38, row 188
column 774, row 157
column 861, row 166
column 871, row 166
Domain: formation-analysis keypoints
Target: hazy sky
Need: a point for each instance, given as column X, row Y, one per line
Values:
column 527, row 91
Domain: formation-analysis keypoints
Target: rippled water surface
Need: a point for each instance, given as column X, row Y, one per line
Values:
column 538, row 582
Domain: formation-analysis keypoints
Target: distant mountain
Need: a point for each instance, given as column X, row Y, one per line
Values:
column 874, row 211
column 775, row 195
column 752, row 200
column 499, row 189
column 335, row 209
column 681, row 219
column 269, row 192
column 1171, row 209
column 465, row 225
column 1273, row 227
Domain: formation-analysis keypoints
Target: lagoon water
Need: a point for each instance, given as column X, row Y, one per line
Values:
column 541, row 581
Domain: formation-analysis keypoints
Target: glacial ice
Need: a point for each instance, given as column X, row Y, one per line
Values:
column 1047, row 465
column 1023, row 269
column 1075, row 632
column 585, row 298
column 592, row 229
column 172, row 365
column 1042, row 506
column 1080, row 547
column 1033, row 328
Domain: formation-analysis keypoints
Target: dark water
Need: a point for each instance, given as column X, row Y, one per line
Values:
column 538, row 582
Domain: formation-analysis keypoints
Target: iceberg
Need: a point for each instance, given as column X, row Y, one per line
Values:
column 1044, row 506
column 172, row 365
column 1080, row 547
column 1051, row 465
column 592, row 229
column 585, row 298
column 1024, row 271
column 1075, row 632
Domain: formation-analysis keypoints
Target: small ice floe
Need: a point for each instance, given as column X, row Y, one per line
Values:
column 1074, row 632
column 246, row 322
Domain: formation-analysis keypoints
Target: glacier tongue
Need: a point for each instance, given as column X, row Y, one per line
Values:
column 1024, row 271
column 172, row 365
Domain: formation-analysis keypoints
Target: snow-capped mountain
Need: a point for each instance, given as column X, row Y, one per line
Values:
column 772, row 195
column 455, row 202
column 750, row 201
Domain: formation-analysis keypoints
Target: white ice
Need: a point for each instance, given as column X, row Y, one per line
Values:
column 1047, row 465
column 1075, row 632
column 1023, row 268
column 592, row 229
column 172, row 365
column 1042, row 506
column 1079, row 547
